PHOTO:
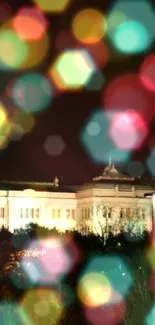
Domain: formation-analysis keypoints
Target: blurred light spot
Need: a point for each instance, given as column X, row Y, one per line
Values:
column 110, row 266
column 40, row 306
column 106, row 314
column 29, row 23
column 99, row 53
column 89, row 26
column 94, row 289
column 23, row 121
column 127, row 92
column 72, row 69
column 96, row 81
column 11, row 43
column 9, row 312
column 115, row 19
column 147, row 72
column 130, row 25
column 135, row 169
column 149, row 318
column 128, row 130
column 100, row 146
column 5, row 127
column 53, row 6
column 32, row 92
column 93, row 128
column 151, row 163
column 131, row 37
column 54, row 145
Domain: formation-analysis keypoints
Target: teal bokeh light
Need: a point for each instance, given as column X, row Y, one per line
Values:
column 32, row 92
column 115, row 269
column 130, row 25
column 131, row 37
column 97, row 142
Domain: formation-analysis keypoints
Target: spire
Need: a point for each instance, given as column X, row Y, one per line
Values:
column 110, row 161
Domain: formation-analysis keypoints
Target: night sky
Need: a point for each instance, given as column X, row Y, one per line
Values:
column 26, row 159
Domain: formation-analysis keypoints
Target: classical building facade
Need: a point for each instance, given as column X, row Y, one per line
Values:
column 111, row 201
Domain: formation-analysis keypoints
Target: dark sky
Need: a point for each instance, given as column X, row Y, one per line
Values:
column 26, row 159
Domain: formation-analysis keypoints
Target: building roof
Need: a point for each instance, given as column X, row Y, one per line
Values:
column 36, row 186
column 110, row 172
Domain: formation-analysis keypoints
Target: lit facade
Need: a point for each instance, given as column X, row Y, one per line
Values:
column 110, row 201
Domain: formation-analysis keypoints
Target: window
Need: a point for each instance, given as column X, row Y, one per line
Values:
column 82, row 214
column 1, row 212
column 68, row 214
column 53, row 213
column 26, row 213
column 143, row 213
column 31, row 213
column 86, row 214
column 36, row 213
column 73, row 214
column 58, row 213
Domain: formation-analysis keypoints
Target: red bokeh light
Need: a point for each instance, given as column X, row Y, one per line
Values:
column 30, row 24
column 128, row 130
column 147, row 72
column 127, row 92
column 99, row 53
column 65, row 40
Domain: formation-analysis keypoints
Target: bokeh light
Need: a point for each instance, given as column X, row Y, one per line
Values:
column 54, row 145
column 94, row 289
column 108, row 281
column 106, row 314
column 131, row 37
column 127, row 92
column 130, row 25
column 29, row 24
column 9, row 312
column 89, row 26
column 72, row 69
column 96, row 140
column 11, row 43
column 128, row 130
column 53, row 6
column 32, row 92
column 40, row 306
column 147, row 72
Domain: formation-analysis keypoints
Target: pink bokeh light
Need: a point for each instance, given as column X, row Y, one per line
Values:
column 128, row 130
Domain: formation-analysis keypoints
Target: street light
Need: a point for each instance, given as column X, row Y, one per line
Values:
column 152, row 196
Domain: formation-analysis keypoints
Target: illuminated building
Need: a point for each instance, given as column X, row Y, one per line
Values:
column 78, row 207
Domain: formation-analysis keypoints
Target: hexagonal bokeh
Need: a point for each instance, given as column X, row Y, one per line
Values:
column 135, row 20
column 53, row 6
column 149, row 320
column 41, row 306
column 128, row 130
column 117, row 276
column 54, row 145
column 97, row 142
column 29, row 23
column 151, row 163
column 72, row 69
column 10, row 313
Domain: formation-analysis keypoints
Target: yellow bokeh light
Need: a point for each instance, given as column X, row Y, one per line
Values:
column 89, row 26
column 55, row 6
column 94, row 289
